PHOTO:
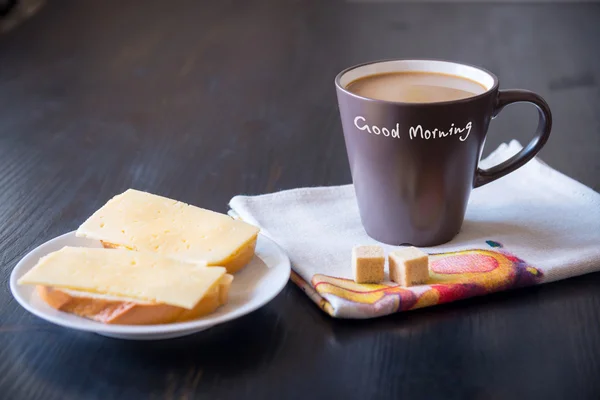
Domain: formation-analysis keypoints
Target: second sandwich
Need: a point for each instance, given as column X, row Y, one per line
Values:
column 142, row 221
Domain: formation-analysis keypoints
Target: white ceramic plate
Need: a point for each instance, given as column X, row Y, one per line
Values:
column 255, row 285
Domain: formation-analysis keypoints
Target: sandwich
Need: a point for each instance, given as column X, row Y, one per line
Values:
column 141, row 221
column 116, row 286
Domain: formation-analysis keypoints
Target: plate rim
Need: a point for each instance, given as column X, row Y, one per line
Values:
column 155, row 329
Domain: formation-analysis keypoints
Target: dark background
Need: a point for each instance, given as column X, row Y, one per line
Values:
column 201, row 101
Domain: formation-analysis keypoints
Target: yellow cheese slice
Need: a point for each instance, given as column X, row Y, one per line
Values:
column 139, row 275
column 146, row 222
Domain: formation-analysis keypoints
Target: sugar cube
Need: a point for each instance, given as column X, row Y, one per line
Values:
column 409, row 266
column 368, row 264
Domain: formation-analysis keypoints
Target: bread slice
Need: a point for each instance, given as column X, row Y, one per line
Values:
column 120, row 310
column 141, row 221
column 127, row 287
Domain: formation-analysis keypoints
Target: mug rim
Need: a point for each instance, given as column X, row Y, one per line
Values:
column 401, row 103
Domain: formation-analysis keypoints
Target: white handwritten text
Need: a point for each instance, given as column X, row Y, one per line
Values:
column 414, row 132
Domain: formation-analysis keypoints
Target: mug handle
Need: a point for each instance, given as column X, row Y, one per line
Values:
column 506, row 97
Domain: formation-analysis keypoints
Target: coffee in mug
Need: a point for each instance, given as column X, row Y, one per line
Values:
column 414, row 132
column 415, row 87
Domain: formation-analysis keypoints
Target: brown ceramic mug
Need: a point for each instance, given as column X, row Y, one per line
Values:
column 413, row 185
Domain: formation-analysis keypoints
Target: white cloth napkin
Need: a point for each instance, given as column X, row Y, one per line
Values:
column 535, row 213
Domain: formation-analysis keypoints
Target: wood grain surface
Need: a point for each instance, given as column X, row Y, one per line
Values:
column 201, row 101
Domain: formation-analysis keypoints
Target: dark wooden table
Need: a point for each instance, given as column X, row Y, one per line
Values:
column 205, row 100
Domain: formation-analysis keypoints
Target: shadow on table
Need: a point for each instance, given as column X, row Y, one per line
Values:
column 238, row 347
column 413, row 322
column 14, row 13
